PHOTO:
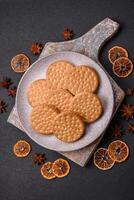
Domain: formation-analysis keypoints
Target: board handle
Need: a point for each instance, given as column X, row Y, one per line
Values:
column 94, row 39
column 89, row 44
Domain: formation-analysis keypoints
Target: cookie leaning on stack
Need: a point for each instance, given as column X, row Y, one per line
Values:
column 42, row 117
column 64, row 101
column 83, row 79
column 37, row 92
column 87, row 105
column 58, row 73
column 68, row 127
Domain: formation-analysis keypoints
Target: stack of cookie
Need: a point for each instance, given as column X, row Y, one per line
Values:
column 65, row 101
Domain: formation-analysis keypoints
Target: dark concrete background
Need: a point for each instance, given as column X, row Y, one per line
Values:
column 23, row 22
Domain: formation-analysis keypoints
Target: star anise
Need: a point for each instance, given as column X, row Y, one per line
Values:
column 131, row 127
column 39, row 158
column 116, row 131
column 12, row 92
column 129, row 92
column 3, row 106
column 67, row 34
column 127, row 111
column 6, row 82
column 36, row 48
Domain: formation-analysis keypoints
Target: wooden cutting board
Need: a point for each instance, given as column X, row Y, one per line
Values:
column 89, row 44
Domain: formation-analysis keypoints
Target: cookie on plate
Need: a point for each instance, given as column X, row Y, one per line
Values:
column 57, row 74
column 42, row 118
column 59, row 98
column 83, row 79
column 68, row 127
column 87, row 105
column 37, row 92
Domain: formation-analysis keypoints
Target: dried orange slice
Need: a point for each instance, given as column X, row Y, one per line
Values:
column 61, row 168
column 102, row 160
column 122, row 67
column 116, row 52
column 118, row 151
column 46, row 171
column 20, row 63
column 21, row 148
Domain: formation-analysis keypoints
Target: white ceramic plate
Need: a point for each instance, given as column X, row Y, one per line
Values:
column 38, row 71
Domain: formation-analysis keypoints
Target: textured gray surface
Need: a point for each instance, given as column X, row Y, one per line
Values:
column 23, row 22
column 88, row 44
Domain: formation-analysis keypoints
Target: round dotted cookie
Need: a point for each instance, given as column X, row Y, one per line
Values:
column 37, row 92
column 42, row 118
column 87, row 105
column 83, row 79
column 68, row 127
column 57, row 74
column 60, row 99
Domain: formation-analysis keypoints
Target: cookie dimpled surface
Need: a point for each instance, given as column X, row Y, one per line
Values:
column 37, row 92
column 68, row 127
column 42, row 118
column 57, row 74
column 87, row 105
column 60, row 99
column 83, row 79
